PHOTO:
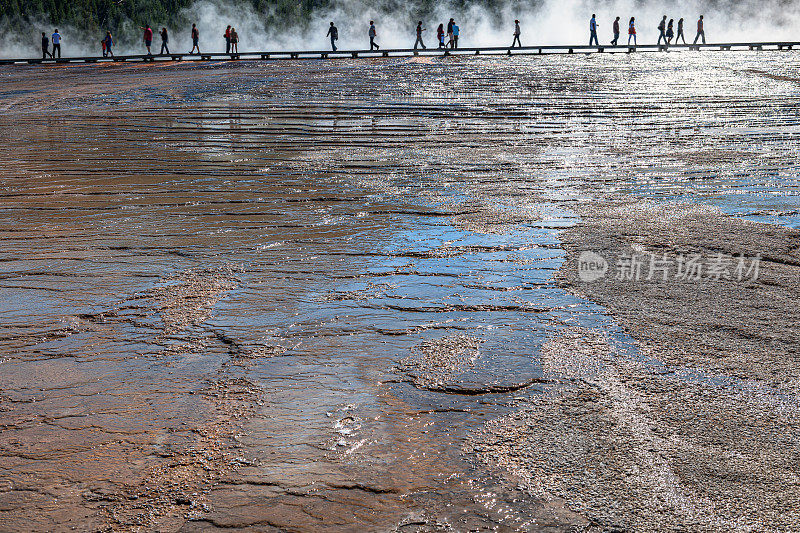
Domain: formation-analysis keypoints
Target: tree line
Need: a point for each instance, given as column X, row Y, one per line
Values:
column 101, row 15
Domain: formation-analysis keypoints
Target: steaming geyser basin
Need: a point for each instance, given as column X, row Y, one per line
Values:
column 431, row 294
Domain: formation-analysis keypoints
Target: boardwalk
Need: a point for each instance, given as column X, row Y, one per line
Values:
column 407, row 52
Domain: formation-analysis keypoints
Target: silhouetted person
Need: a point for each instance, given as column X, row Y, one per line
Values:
column 517, row 33
column 440, row 35
column 419, row 42
column 56, row 44
column 632, row 31
column 227, row 36
column 700, row 30
column 195, row 39
column 109, row 44
column 164, row 41
column 670, row 31
column 593, row 31
column 616, row 32
column 456, row 31
column 662, row 28
column 680, row 32
column 450, row 33
column 234, row 41
column 45, row 46
column 333, row 33
column 372, row 34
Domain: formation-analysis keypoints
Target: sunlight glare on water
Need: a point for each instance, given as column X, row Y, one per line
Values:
column 252, row 259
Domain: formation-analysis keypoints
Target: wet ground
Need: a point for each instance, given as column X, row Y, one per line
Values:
column 340, row 295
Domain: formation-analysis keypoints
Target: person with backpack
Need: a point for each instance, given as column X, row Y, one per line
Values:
column 195, row 39
column 662, row 28
column 234, row 41
column 616, row 32
column 372, row 34
column 109, row 44
column 593, row 31
column 700, row 31
column 164, row 41
column 632, row 31
column 333, row 33
column 419, row 42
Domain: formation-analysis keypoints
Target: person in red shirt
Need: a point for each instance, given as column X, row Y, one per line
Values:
column 700, row 31
column 632, row 31
column 148, row 39
column 227, row 36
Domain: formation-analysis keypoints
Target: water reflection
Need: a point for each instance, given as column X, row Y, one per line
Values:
column 211, row 276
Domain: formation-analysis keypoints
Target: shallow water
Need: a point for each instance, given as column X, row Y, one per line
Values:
column 215, row 278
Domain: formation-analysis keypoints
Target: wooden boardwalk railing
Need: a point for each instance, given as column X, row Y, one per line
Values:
column 408, row 52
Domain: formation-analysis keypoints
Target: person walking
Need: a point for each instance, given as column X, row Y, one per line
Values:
column 440, row 35
column 333, row 33
column 670, row 31
column 195, row 39
column 419, row 42
column 455, row 35
column 662, row 28
column 234, row 41
column 45, row 46
column 593, row 31
column 450, row 33
column 148, row 38
column 680, row 32
column 517, row 33
column 632, row 31
column 56, row 44
column 372, row 34
column 616, row 32
column 164, row 41
column 109, row 44
column 700, row 31
column 227, row 36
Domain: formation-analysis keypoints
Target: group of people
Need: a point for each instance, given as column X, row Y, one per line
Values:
column 231, row 37
column 107, row 42
column 448, row 38
column 666, row 30
column 46, row 45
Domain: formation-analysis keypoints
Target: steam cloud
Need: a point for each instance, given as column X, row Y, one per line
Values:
column 550, row 22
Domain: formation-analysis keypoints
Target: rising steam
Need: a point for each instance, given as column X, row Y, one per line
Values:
column 550, row 22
